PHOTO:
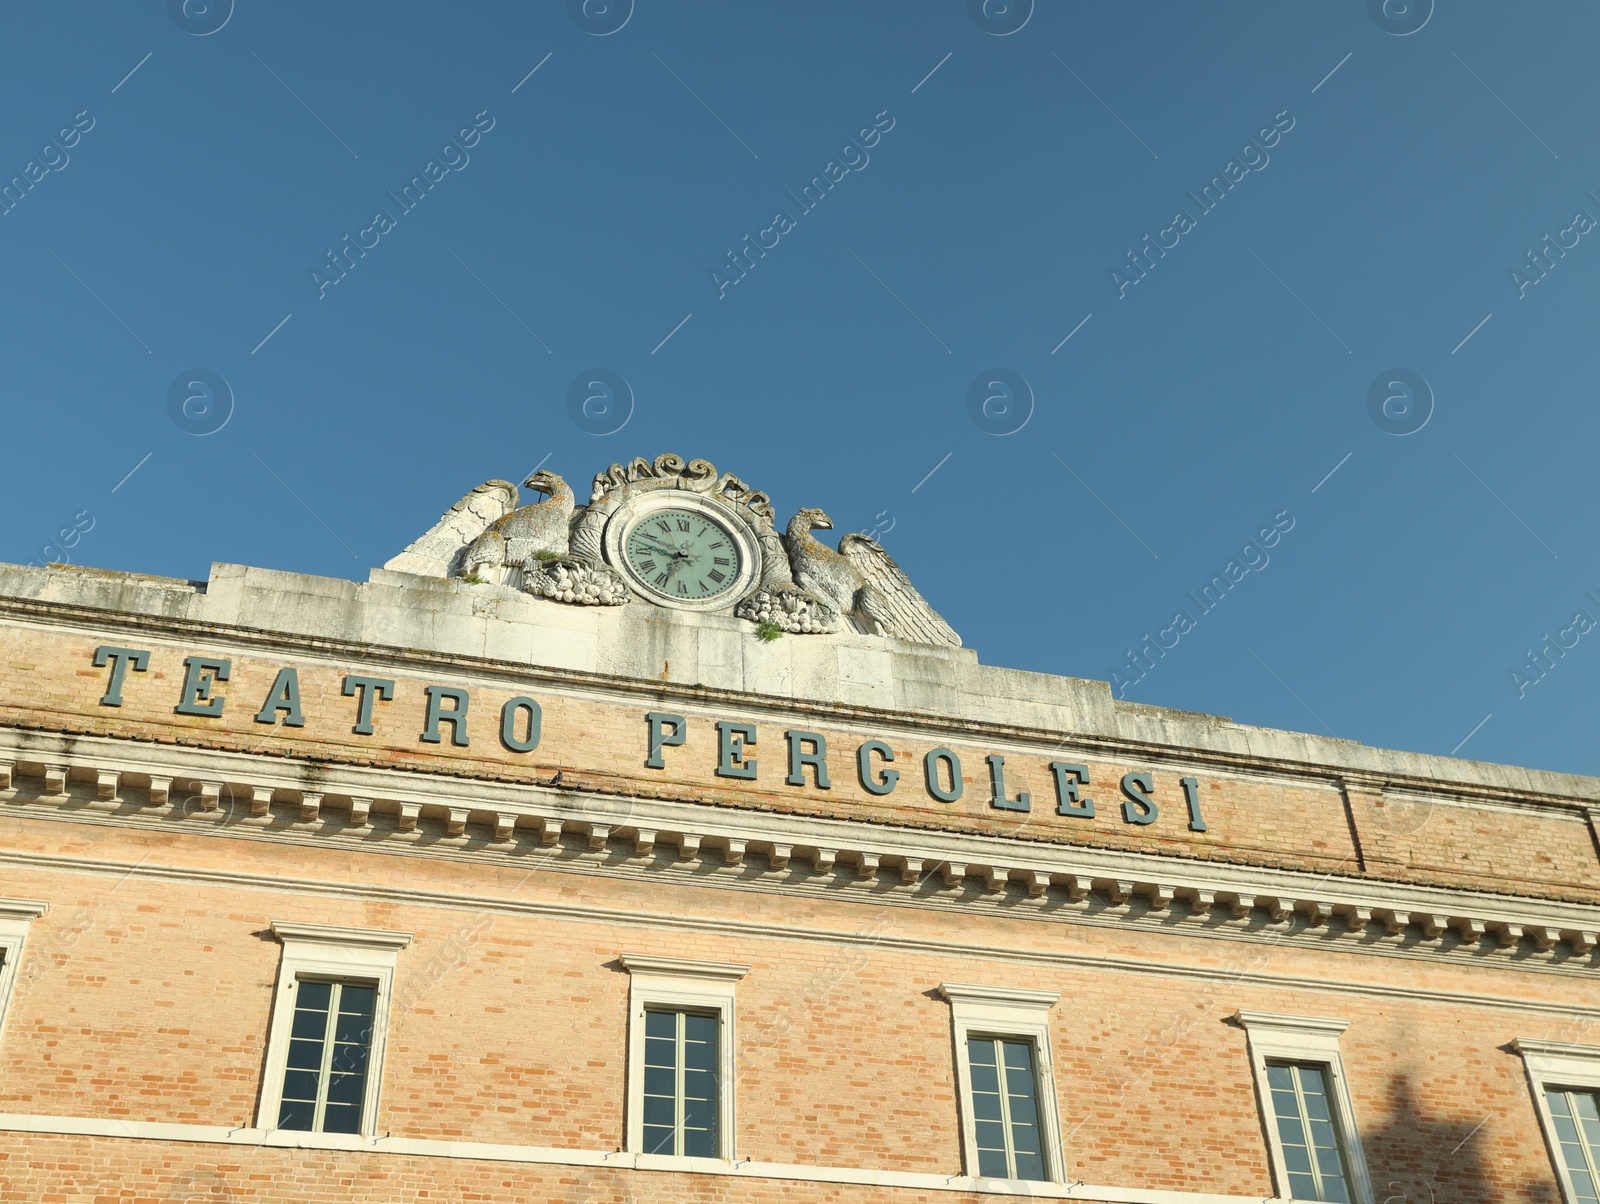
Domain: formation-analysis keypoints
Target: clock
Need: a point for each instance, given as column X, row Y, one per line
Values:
column 683, row 555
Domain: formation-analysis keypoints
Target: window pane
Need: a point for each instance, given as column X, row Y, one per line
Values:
column 658, row 1140
column 358, row 1000
column 346, row 1088
column 313, row 995
column 699, row 1143
column 341, row 1118
column 659, row 1080
column 699, row 1113
column 992, row 1164
column 991, row 1135
column 661, row 1024
column 1030, row 1166
column 305, row 1055
column 300, row 1085
column 296, row 1114
column 984, row 1077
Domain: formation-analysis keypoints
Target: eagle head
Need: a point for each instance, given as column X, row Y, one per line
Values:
column 815, row 518
column 542, row 481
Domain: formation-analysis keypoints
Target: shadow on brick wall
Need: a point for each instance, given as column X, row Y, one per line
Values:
column 1421, row 1158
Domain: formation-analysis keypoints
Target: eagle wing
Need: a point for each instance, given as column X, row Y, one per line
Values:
column 435, row 554
column 890, row 600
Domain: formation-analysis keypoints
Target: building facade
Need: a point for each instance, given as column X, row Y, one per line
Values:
column 546, row 866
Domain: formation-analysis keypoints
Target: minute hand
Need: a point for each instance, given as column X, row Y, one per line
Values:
column 659, row 546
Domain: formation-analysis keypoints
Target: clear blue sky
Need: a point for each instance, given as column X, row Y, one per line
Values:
column 1375, row 230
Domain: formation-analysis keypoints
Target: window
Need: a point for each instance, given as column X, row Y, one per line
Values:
column 1009, row 1127
column 1005, row 1108
column 1565, row 1080
column 1312, row 1141
column 1312, row 1155
column 325, row 1047
column 15, row 916
column 1577, row 1132
column 680, row 1083
column 330, row 1044
column 681, row 1056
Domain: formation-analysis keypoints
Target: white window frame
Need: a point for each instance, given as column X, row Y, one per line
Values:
column 681, row 984
column 15, row 917
column 1560, row 1065
column 1314, row 1040
column 1009, row 1012
column 316, row 951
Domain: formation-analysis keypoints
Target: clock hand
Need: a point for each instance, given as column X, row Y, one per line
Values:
column 660, row 546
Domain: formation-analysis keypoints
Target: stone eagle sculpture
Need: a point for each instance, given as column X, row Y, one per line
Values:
column 487, row 536
column 862, row 582
column 526, row 537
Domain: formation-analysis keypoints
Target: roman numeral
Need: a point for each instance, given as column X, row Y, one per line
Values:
column 719, row 544
column 661, row 580
column 722, row 560
column 715, row 576
column 649, row 566
column 683, row 589
column 701, row 532
column 683, row 524
column 662, row 523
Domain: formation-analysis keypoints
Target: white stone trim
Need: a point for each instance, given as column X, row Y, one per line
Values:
column 1365, row 915
column 1005, row 1012
column 318, row 951
column 1557, row 1064
column 1313, row 1039
column 682, row 983
column 15, row 917
column 84, row 1126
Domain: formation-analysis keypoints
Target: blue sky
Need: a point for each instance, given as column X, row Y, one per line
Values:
column 1377, row 188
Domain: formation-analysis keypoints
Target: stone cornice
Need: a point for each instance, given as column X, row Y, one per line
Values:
column 344, row 938
column 1140, row 966
column 679, row 967
column 1276, row 1022
column 1011, row 997
column 269, row 798
column 22, row 909
column 910, row 721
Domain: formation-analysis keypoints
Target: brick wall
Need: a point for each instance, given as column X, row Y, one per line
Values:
column 146, row 997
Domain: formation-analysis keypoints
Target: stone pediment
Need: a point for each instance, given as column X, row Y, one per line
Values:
column 676, row 534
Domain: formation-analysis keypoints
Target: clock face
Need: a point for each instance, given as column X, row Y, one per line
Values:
column 681, row 554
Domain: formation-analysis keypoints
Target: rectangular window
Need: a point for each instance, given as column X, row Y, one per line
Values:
column 1575, row 1116
column 330, row 1048
column 1312, row 1153
column 1005, row 1108
column 15, row 917
column 1004, row 1084
column 681, row 1097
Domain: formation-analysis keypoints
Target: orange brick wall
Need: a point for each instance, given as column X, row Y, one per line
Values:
column 146, row 997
